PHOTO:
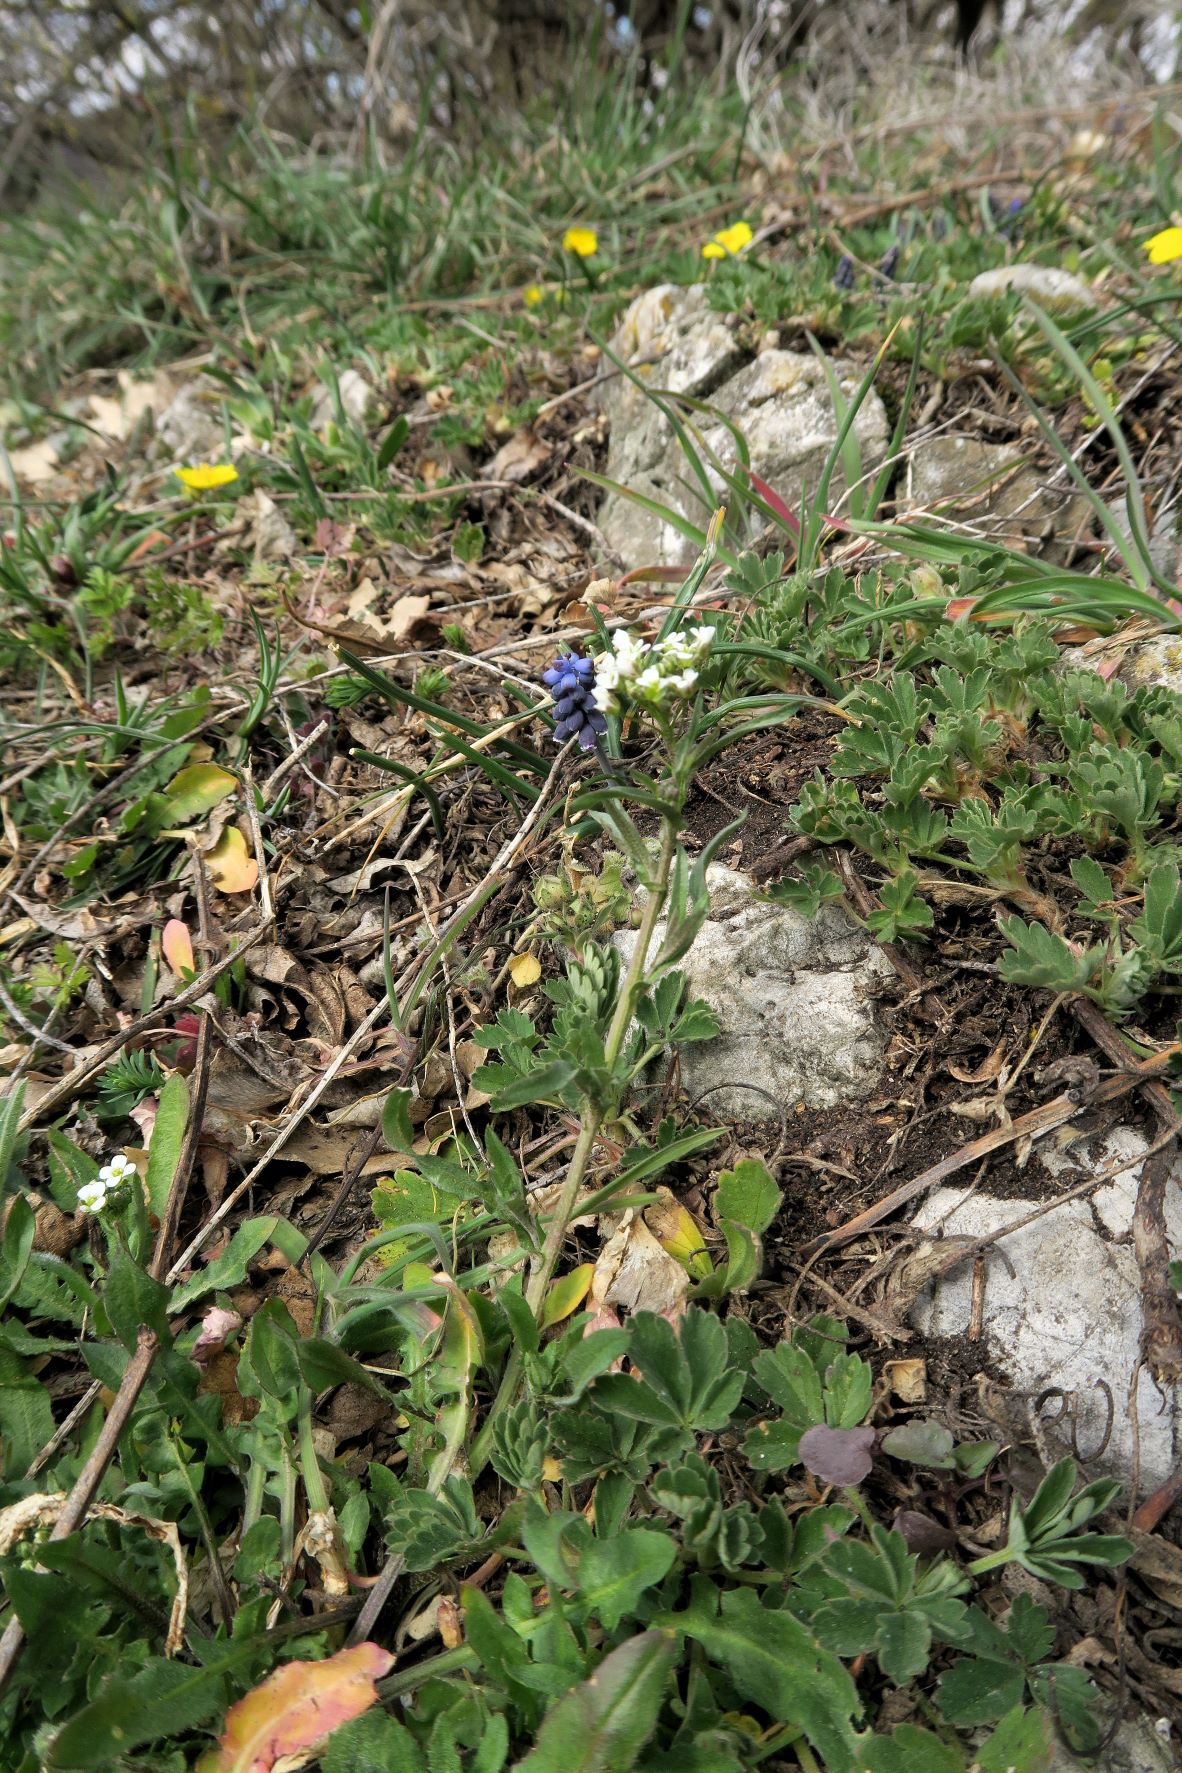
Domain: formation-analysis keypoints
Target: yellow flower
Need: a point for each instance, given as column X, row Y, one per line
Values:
column 583, row 242
column 205, row 477
column 729, row 242
column 532, row 294
column 1164, row 246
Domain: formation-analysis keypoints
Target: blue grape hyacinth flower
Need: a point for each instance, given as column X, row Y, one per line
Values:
column 571, row 681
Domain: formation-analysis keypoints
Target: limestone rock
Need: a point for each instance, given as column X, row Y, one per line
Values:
column 794, row 998
column 1155, row 661
column 989, row 484
column 1140, row 1745
column 1059, row 292
column 190, row 427
column 356, row 399
column 780, row 401
column 1069, row 1316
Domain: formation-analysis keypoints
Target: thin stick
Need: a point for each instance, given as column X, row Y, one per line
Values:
column 1042, row 1120
column 256, row 837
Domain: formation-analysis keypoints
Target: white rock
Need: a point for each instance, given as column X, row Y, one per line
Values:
column 190, row 427
column 1061, row 292
column 998, row 493
column 780, row 402
column 795, row 1000
column 1155, row 661
column 356, row 400
column 1070, row 1314
column 1140, row 1745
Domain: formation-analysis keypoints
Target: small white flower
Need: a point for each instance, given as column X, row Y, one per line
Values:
column 92, row 1197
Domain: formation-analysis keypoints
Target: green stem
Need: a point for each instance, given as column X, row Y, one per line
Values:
column 590, row 1121
column 310, row 1465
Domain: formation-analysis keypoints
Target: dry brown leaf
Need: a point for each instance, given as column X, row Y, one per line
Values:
column 908, row 1380
column 635, row 1273
column 232, row 868
column 521, row 456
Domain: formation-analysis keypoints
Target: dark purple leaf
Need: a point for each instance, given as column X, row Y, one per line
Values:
column 922, row 1533
column 838, row 1455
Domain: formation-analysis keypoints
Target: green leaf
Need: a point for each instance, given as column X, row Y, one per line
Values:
column 230, row 1268
column 397, row 1130
column 979, row 1689
column 1024, row 1742
column 374, row 1743
column 16, row 1247
column 195, row 792
column 11, row 1109
column 26, row 1414
column 614, row 1573
column 686, row 1383
column 748, row 1194
column 909, row 1749
column 776, row 1663
column 159, row 1700
column 921, row 1443
column 269, row 1354
column 168, row 1134
column 133, row 1300
column 602, row 1725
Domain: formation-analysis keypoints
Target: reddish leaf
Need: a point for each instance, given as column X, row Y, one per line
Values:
column 297, row 1707
column 838, row 1455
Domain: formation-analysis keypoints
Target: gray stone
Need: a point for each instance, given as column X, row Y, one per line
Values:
column 780, row 401
column 1069, row 1315
column 1155, row 661
column 1141, row 1745
column 190, row 427
column 989, row 484
column 357, row 398
column 795, row 1001
column 1060, row 292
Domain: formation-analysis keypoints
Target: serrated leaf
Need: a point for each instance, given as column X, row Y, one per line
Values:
column 748, row 1195
column 614, row 1573
column 909, row 1749
column 373, row 1743
column 775, row 1662
column 1024, row 1742
column 26, row 1414
column 601, row 1725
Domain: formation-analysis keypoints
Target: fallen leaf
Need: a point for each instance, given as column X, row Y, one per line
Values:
column 908, row 1380
column 118, row 417
column 231, row 868
column 525, row 969
column 520, row 457
column 197, row 789
column 296, row 1707
column 567, row 1294
column 177, row 947
column 36, row 462
column 635, row 1273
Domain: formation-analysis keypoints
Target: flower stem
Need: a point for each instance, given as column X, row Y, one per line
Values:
column 590, row 1121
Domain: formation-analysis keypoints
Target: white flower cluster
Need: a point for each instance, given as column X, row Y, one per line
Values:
column 651, row 675
column 111, row 1181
